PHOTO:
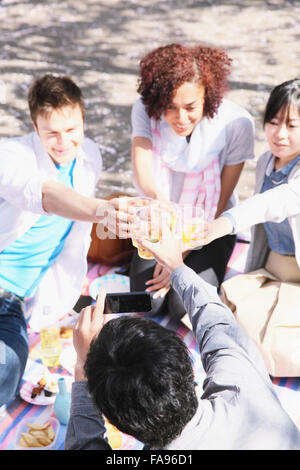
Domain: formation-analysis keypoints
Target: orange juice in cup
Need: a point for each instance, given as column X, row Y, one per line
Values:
column 192, row 220
column 189, row 232
column 138, row 202
column 143, row 253
column 147, row 225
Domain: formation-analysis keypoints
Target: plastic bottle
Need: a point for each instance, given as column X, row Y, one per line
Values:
column 62, row 402
column 50, row 342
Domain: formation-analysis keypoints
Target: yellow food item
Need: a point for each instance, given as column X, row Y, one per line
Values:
column 39, row 435
column 38, row 426
column 30, row 441
column 50, row 433
column 66, row 332
column 114, row 435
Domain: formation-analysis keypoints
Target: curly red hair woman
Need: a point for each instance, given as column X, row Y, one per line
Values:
column 189, row 145
column 163, row 70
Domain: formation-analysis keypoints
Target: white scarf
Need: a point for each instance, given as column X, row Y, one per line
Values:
column 198, row 159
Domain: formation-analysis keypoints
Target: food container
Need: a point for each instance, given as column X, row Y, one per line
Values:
column 22, row 427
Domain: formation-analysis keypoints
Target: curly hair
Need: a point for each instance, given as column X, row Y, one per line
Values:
column 166, row 68
column 141, row 378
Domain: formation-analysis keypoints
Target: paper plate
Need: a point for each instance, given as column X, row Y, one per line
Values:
column 111, row 283
column 26, row 389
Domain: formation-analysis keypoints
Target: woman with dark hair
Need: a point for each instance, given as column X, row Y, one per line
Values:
column 189, row 146
column 266, row 299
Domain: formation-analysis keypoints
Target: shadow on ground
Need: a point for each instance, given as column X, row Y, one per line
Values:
column 100, row 44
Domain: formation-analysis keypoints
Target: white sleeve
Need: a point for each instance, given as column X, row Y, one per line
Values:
column 140, row 121
column 20, row 181
column 273, row 205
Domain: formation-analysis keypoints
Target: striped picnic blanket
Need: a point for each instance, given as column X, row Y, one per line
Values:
column 19, row 410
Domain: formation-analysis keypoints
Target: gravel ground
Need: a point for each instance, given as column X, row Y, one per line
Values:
column 100, row 43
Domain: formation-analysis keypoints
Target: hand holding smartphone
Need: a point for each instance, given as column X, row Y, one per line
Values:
column 119, row 302
column 127, row 302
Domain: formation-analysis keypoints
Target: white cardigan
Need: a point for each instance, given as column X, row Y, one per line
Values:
column 24, row 166
column 274, row 206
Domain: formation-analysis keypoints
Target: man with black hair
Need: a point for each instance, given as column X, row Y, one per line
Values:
column 139, row 376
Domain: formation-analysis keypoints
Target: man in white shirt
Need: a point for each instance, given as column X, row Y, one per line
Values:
column 47, row 206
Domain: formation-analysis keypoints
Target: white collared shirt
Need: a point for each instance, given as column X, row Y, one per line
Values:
column 24, row 167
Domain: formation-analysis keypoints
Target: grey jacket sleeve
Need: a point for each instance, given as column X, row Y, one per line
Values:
column 86, row 429
column 228, row 355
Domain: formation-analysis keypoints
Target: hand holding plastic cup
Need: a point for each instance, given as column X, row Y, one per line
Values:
column 147, row 225
column 192, row 225
column 139, row 201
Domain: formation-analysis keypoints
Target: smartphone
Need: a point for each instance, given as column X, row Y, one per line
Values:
column 125, row 302
column 83, row 301
column 120, row 302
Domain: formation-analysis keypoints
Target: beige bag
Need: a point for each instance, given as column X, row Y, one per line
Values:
column 269, row 311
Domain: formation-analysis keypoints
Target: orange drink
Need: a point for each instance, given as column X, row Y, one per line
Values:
column 189, row 232
column 191, row 221
column 147, row 225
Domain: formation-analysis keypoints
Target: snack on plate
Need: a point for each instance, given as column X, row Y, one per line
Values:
column 66, row 332
column 39, row 435
column 45, row 386
column 37, row 390
column 51, row 388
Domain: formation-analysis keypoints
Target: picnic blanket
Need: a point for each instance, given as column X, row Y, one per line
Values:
column 19, row 410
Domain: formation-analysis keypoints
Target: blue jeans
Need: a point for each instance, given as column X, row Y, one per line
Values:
column 14, row 347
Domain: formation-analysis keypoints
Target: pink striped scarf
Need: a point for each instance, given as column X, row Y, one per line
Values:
column 199, row 187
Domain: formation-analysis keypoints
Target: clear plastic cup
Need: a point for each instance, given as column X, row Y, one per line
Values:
column 191, row 220
column 147, row 225
column 140, row 201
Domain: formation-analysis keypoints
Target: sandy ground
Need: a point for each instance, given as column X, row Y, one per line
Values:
column 100, row 43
